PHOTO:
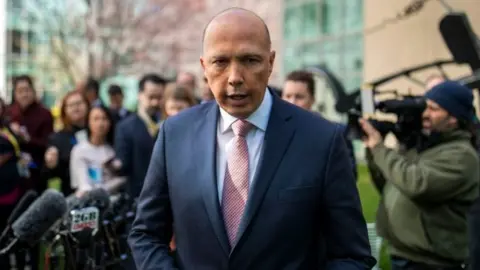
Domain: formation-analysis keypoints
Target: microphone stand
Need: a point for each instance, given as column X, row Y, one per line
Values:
column 6, row 250
column 55, row 248
column 83, row 254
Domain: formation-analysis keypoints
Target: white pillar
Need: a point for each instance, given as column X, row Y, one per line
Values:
column 3, row 49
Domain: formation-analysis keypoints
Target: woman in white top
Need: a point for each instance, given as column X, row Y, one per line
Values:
column 92, row 162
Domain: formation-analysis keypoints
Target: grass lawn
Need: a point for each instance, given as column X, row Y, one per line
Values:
column 370, row 199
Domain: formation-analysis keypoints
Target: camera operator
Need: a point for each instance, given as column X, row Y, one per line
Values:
column 427, row 191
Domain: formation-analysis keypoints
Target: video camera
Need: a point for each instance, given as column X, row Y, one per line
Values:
column 408, row 110
column 463, row 45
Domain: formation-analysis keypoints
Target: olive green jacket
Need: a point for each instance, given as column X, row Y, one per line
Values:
column 426, row 197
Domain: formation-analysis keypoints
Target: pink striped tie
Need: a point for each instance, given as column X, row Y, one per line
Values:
column 236, row 184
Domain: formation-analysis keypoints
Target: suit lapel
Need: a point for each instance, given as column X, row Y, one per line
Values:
column 143, row 129
column 205, row 160
column 277, row 139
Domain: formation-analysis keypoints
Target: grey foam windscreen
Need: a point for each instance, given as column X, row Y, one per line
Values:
column 40, row 216
column 22, row 205
column 98, row 197
column 72, row 201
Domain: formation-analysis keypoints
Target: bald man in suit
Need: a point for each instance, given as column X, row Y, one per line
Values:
column 248, row 181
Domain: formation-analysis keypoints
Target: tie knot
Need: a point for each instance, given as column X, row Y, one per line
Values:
column 241, row 128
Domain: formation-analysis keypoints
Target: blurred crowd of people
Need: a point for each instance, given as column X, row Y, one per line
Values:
column 92, row 145
column 89, row 145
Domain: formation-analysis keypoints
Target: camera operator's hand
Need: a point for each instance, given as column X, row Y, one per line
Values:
column 373, row 137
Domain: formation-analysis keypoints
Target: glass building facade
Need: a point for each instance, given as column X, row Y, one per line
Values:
column 33, row 44
column 325, row 32
column 329, row 33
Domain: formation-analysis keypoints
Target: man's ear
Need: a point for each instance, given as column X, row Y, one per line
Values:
column 271, row 60
column 452, row 120
column 202, row 63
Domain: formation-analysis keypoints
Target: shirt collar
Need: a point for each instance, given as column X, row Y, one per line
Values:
column 259, row 118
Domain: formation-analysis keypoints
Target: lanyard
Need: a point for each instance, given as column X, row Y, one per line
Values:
column 11, row 138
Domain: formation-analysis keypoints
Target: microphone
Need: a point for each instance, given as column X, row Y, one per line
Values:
column 98, row 197
column 21, row 206
column 85, row 227
column 72, row 201
column 29, row 228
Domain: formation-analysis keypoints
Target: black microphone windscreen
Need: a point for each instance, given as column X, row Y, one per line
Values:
column 40, row 216
column 22, row 205
column 98, row 197
column 460, row 39
column 72, row 201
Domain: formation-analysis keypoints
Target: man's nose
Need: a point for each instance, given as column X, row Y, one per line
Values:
column 154, row 102
column 235, row 77
column 425, row 113
column 291, row 100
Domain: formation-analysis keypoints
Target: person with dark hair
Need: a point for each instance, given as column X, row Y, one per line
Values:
column 299, row 89
column 115, row 94
column 136, row 134
column 93, row 162
column 10, row 175
column 73, row 113
column 92, row 91
column 33, row 124
column 177, row 98
column 427, row 191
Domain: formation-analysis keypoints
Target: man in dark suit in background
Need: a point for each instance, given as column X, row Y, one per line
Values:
column 135, row 135
column 299, row 89
column 248, row 181
column 115, row 96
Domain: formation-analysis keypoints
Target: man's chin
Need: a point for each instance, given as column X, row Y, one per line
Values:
column 239, row 112
column 152, row 112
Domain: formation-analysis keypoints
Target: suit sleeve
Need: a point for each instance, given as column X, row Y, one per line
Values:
column 351, row 150
column 123, row 149
column 346, row 233
column 152, row 229
column 429, row 180
column 48, row 173
column 41, row 139
column 375, row 173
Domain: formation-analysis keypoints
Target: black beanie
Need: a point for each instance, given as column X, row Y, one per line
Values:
column 455, row 98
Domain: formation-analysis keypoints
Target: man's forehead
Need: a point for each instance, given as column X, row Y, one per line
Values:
column 222, row 52
column 238, row 21
column 433, row 104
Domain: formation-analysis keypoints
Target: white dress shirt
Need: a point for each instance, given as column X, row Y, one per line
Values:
column 225, row 135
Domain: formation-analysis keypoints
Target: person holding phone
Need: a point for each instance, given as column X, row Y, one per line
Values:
column 93, row 162
column 73, row 114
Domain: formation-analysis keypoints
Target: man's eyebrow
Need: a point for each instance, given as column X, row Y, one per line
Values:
column 238, row 55
column 245, row 55
column 218, row 56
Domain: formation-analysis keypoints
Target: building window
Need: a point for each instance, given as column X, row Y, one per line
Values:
column 325, row 32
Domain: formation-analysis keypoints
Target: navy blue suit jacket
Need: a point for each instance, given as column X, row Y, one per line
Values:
column 303, row 210
column 133, row 146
